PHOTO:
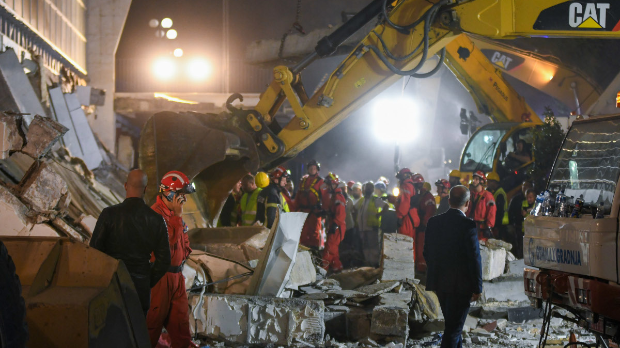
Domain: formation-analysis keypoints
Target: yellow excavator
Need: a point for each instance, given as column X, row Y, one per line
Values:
column 216, row 150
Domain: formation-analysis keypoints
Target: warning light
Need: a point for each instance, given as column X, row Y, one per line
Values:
column 618, row 100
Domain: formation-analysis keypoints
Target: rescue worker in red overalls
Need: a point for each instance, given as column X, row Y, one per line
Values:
column 334, row 204
column 169, row 306
column 406, row 213
column 426, row 209
column 483, row 207
column 308, row 200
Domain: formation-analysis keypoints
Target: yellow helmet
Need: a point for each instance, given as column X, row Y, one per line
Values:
column 427, row 186
column 455, row 173
column 493, row 176
column 262, row 179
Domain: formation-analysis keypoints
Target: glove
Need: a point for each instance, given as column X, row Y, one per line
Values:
column 486, row 233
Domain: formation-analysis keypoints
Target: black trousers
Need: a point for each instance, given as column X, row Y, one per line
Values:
column 455, row 307
column 143, row 288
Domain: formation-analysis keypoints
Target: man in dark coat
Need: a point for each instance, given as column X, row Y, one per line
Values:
column 454, row 270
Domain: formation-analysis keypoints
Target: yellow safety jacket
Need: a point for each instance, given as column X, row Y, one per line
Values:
column 248, row 207
column 500, row 192
column 372, row 218
column 283, row 204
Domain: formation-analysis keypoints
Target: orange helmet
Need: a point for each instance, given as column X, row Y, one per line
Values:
column 177, row 182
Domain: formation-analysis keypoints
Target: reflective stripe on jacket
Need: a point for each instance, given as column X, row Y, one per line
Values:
column 248, row 207
column 500, row 192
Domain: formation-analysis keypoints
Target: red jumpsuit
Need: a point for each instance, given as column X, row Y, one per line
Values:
column 169, row 306
column 335, row 205
column 482, row 211
column 405, row 213
column 426, row 209
column 308, row 201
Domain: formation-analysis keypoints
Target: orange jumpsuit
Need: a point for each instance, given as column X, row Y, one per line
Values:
column 426, row 209
column 169, row 306
column 308, row 200
column 482, row 211
column 406, row 214
column 335, row 205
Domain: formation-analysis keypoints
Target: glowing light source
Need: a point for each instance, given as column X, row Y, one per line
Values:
column 395, row 191
column 153, row 23
column 178, row 53
column 395, row 119
column 550, row 77
column 164, row 68
column 198, row 69
column 174, row 99
column 166, row 23
column 171, row 34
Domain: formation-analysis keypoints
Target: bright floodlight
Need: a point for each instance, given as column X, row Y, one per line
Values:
column 171, row 34
column 178, row 53
column 198, row 69
column 164, row 68
column 166, row 23
column 153, row 23
column 395, row 119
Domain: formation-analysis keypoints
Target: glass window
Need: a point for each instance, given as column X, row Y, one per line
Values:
column 589, row 162
column 480, row 150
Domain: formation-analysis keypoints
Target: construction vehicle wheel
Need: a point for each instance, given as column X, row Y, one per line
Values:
column 13, row 327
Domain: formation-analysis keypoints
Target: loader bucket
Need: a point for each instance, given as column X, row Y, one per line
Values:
column 213, row 156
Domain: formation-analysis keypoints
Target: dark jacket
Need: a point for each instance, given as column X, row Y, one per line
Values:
column 269, row 201
column 130, row 231
column 452, row 254
column 514, row 210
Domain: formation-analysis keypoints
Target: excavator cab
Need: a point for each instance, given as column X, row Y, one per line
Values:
column 492, row 148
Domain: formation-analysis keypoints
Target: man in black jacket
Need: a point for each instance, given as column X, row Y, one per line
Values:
column 454, row 270
column 130, row 232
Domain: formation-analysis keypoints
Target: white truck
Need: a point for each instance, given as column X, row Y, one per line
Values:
column 576, row 260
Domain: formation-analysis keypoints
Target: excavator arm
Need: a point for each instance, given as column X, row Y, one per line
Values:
column 218, row 149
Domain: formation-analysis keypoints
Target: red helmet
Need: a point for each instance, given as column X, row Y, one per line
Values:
column 481, row 175
column 279, row 173
column 442, row 182
column 402, row 172
column 177, row 182
column 417, row 178
column 332, row 178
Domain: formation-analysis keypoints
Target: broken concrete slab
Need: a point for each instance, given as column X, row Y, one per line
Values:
column 69, row 231
column 497, row 244
column 11, row 138
column 43, row 133
column 263, row 321
column 397, row 261
column 358, row 323
column 396, row 299
column 493, row 262
column 303, row 271
column 350, row 279
column 43, row 188
column 378, row 289
column 17, row 92
column 219, row 269
column 13, row 214
column 515, row 268
column 503, row 289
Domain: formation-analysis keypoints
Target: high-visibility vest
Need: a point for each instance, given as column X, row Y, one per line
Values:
column 500, row 192
column 371, row 211
column 283, row 204
column 248, row 207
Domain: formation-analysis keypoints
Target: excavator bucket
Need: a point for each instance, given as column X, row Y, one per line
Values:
column 213, row 155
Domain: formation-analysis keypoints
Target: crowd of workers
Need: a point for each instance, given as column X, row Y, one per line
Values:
column 350, row 217
column 153, row 243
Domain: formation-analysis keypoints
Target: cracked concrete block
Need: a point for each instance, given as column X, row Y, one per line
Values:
column 378, row 289
column 397, row 262
column 263, row 321
column 390, row 320
column 10, row 136
column 498, row 244
column 43, row 133
column 303, row 271
column 13, row 214
column 396, row 299
column 493, row 262
column 358, row 323
column 43, row 189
